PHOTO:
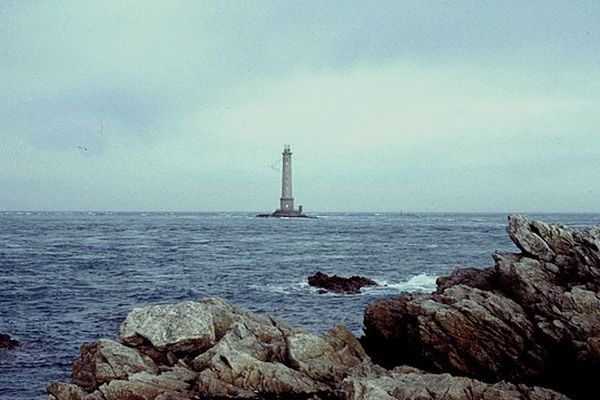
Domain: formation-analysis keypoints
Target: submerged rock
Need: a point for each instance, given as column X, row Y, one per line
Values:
column 534, row 317
column 6, row 342
column 338, row 284
column 229, row 353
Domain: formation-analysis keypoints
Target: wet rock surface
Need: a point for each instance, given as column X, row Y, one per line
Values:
column 235, row 354
column 338, row 284
column 534, row 317
column 6, row 342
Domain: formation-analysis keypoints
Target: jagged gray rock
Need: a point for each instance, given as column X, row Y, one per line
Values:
column 534, row 317
column 421, row 386
column 461, row 330
column 181, row 327
column 107, row 360
column 65, row 391
column 251, row 357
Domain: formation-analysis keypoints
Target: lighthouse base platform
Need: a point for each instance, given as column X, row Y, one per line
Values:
column 286, row 214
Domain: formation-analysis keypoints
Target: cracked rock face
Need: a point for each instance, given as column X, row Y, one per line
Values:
column 533, row 317
column 250, row 357
column 418, row 385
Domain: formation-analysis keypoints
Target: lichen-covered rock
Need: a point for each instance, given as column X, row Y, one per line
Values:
column 191, row 326
column 248, row 360
column 184, row 326
column 65, row 391
column 237, row 373
column 420, row 386
column 534, row 316
column 461, row 330
column 139, row 390
column 107, row 360
column 243, row 363
column 574, row 255
column 328, row 358
column 249, row 356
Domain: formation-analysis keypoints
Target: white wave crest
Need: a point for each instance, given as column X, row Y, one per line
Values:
column 283, row 288
column 421, row 283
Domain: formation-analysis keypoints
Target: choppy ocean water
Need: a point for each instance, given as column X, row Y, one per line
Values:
column 70, row 278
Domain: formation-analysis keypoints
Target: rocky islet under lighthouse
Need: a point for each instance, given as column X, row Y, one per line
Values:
column 286, row 202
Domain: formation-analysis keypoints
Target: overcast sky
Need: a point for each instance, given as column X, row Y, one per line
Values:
column 388, row 106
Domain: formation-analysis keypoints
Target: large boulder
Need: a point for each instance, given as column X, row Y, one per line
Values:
column 462, row 331
column 186, row 326
column 338, row 284
column 533, row 317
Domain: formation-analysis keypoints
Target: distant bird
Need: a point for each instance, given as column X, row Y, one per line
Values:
column 275, row 165
column 82, row 148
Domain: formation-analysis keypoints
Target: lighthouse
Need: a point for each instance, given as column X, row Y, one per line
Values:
column 286, row 201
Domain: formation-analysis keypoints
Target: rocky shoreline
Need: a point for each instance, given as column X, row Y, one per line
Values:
column 526, row 328
column 533, row 317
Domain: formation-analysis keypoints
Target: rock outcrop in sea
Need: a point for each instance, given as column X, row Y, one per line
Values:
column 338, row 284
column 527, row 328
column 6, row 342
column 534, row 317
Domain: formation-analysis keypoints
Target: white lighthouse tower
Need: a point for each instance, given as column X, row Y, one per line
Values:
column 286, row 202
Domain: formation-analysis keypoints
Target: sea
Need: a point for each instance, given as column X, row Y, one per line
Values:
column 68, row 278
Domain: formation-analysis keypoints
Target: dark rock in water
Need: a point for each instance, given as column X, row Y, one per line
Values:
column 6, row 342
column 534, row 317
column 286, row 214
column 338, row 284
column 213, row 350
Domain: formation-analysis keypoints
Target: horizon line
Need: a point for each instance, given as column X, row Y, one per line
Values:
column 314, row 212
